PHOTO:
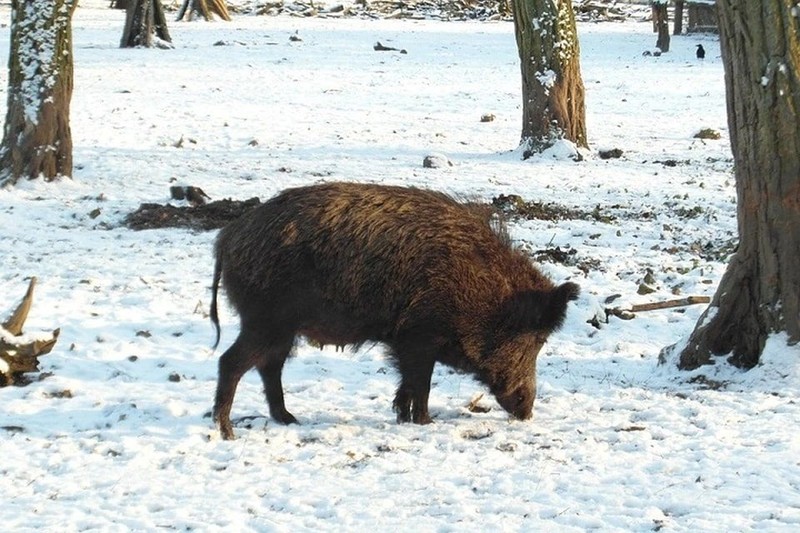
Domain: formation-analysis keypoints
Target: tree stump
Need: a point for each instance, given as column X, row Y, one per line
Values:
column 20, row 353
column 145, row 25
column 203, row 8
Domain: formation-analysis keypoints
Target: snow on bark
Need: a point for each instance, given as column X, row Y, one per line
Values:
column 40, row 22
column 552, row 89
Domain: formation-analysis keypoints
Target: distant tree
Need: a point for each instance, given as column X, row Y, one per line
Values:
column 552, row 88
column 661, row 23
column 678, row 24
column 145, row 25
column 203, row 8
column 760, row 291
column 37, row 140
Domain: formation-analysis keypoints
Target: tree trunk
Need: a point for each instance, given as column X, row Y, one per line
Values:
column 37, row 140
column 760, row 291
column 203, row 8
column 661, row 22
column 145, row 19
column 678, row 25
column 552, row 88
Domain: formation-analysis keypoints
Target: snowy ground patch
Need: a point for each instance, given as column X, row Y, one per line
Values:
column 119, row 436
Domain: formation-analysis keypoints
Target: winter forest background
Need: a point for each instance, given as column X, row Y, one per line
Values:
column 114, row 431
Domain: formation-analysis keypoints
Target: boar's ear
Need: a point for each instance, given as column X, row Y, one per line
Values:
column 557, row 308
column 540, row 310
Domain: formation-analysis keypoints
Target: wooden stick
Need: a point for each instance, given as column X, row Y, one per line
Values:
column 681, row 302
column 628, row 314
column 17, row 319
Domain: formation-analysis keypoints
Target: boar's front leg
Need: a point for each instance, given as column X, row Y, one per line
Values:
column 411, row 400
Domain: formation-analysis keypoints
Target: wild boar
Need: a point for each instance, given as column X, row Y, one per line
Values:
column 431, row 278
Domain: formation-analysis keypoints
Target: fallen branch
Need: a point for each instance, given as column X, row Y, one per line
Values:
column 20, row 353
column 378, row 47
column 17, row 319
column 628, row 314
column 667, row 304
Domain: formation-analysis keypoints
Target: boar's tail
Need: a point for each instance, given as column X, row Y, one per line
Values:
column 214, row 290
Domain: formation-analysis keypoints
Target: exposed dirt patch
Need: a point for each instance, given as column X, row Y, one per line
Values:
column 212, row 215
column 568, row 257
column 706, row 383
column 708, row 133
column 514, row 206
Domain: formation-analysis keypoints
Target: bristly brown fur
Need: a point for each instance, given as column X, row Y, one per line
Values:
column 432, row 278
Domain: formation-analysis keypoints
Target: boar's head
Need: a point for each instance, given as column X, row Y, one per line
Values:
column 523, row 326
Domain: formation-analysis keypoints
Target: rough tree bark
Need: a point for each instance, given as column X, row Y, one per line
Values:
column 760, row 291
column 552, row 88
column 144, row 20
column 203, row 8
column 678, row 24
column 37, row 140
column 661, row 24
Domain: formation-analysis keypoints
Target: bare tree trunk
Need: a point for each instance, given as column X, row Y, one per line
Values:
column 760, row 291
column 203, row 8
column 661, row 22
column 145, row 19
column 37, row 140
column 678, row 25
column 552, row 88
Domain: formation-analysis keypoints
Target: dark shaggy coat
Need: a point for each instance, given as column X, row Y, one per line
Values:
column 434, row 279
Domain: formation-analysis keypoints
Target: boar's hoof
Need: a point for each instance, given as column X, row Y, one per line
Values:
column 284, row 417
column 422, row 419
column 225, row 430
column 406, row 414
column 417, row 419
column 402, row 406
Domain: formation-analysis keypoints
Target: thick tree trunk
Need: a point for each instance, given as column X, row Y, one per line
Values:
column 661, row 22
column 203, row 8
column 145, row 20
column 552, row 88
column 37, row 140
column 760, row 291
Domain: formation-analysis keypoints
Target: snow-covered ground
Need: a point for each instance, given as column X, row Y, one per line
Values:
column 119, row 436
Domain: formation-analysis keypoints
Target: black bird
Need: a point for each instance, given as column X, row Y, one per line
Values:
column 701, row 52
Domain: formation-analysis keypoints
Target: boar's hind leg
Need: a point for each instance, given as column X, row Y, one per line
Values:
column 271, row 367
column 232, row 366
column 251, row 349
column 411, row 400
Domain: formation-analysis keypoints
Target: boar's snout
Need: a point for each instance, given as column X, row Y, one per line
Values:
column 519, row 402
